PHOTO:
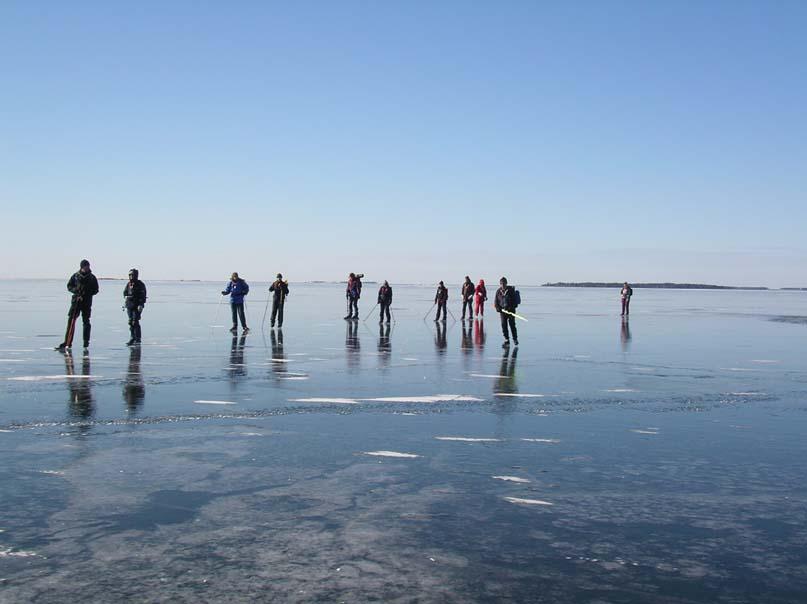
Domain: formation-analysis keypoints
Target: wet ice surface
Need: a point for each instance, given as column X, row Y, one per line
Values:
column 657, row 461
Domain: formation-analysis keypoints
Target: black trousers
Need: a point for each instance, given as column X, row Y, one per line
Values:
column 511, row 321
column 238, row 311
column 84, row 309
column 353, row 307
column 134, row 322
column 470, row 304
column 384, row 309
column 277, row 312
column 441, row 307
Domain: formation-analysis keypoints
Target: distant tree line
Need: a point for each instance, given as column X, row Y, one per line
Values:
column 647, row 285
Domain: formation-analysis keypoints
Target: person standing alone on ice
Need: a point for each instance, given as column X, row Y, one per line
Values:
column 440, row 298
column 467, row 297
column 237, row 288
column 134, row 296
column 384, row 301
column 353, row 293
column 506, row 304
column 626, row 293
column 281, row 290
column 481, row 296
column 83, row 285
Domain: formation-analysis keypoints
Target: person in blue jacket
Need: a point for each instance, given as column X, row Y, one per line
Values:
column 237, row 288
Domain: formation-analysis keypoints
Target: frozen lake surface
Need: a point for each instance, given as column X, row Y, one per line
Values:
column 660, row 460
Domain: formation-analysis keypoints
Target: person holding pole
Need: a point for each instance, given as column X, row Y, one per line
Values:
column 384, row 301
column 281, row 290
column 506, row 303
column 237, row 288
column 467, row 298
column 440, row 299
column 83, row 285
column 134, row 296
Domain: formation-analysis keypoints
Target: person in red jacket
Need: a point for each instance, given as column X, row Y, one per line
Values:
column 481, row 295
column 467, row 294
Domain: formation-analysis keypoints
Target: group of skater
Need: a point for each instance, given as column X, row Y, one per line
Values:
column 83, row 285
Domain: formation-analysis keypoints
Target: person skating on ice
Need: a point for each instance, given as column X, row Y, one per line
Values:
column 83, row 285
column 440, row 299
column 237, row 288
column 134, row 297
column 467, row 294
column 280, row 289
column 384, row 301
column 506, row 301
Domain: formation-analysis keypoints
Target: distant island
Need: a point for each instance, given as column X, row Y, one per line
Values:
column 649, row 285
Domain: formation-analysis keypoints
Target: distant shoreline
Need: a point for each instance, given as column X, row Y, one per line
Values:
column 657, row 285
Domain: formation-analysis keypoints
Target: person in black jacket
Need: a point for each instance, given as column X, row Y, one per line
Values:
column 384, row 301
column 83, row 285
column 506, row 301
column 134, row 295
column 281, row 290
column 468, row 298
column 440, row 298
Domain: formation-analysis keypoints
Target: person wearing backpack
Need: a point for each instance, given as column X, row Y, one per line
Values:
column 83, row 285
column 440, row 299
column 507, row 299
column 481, row 295
column 384, row 301
column 134, row 297
column 353, row 293
column 279, row 289
column 467, row 297
column 626, row 293
column 237, row 288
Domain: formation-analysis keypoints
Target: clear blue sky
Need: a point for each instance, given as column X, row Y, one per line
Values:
column 413, row 141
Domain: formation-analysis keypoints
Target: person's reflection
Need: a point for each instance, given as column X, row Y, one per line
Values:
column 353, row 346
column 384, row 345
column 624, row 335
column 279, row 369
column 505, row 384
column 134, row 388
column 82, row 405
column 237, row 368
column 479, row 335
column 467, row 344
column 440, row 339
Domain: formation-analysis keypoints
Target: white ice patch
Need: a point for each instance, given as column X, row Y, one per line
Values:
column 653, row 431
column 325, row 400
column 205, row 402
column 52, row 472
column 14, row 360
column 489, row 375
column 765, row 361
column 736, row 369
column 42, row 378
column 467, row 439
column 519, row 395
column 511, row 479
column 551, row 441
column 409, row 359
column 436, row 398
column 391, row 454
column 274, row 360
column 5, row 430
column 7, row 552
column 527, row 501
column 251, row 434
column 620, row 390
column 295, row 377
column 746, row 393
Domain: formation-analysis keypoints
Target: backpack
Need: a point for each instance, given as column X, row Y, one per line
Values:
column 516, row 297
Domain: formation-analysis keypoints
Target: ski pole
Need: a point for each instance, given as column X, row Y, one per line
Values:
column 427, row 314
column 218, row 307
column 512, row 314
column 266, row 308
column 452, row 314
column 371, row 312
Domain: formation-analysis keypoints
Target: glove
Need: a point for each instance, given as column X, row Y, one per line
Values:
column 223, row 293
